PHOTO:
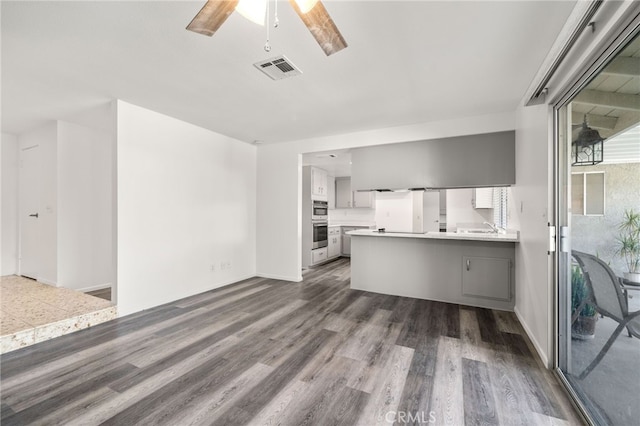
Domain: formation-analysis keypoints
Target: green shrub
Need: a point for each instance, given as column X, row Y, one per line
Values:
column 579, row 292
column 629, row 240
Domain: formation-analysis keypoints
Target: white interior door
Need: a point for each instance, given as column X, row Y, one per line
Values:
column 431, row 211
column 29, row 208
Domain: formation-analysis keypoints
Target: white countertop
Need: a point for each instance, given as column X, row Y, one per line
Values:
column 502, row 238
column 353, row 224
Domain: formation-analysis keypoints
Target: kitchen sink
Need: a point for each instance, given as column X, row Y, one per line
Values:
column 476, row 231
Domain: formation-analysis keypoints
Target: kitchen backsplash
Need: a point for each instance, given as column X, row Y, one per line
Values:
column 352, row 216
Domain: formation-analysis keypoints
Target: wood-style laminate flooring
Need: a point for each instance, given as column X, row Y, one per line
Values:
column 103, row 293
column 269, row 352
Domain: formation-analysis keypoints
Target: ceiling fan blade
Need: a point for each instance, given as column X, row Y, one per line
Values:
column 322, row 28
column 212, row 16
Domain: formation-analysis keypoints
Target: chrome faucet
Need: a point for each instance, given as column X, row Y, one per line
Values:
column 494, row 228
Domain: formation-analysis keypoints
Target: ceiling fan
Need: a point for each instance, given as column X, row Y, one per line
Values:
column 312, row 12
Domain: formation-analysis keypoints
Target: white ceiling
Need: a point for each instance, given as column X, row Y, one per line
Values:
column 407, row 62
column 337, row 162
column 611, row 101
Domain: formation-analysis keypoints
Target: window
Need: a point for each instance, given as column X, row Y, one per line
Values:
column 500, row 207
column 587, row 193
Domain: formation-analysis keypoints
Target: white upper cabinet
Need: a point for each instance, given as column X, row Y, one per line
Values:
column 347, row 199
column 483, row 198
column 363, row 199
column 319, row 189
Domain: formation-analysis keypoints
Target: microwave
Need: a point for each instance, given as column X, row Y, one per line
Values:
column 320, row 210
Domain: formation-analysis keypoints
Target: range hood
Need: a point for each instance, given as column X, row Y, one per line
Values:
column 432, row 188
column 400, row 190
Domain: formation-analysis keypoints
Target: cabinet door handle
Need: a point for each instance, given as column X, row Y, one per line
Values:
column 468, row 264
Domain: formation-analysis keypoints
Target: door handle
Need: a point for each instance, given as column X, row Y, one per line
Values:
column 468, row 264
column 34, row 215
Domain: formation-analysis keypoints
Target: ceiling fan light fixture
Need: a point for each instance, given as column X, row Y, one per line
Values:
column 312, row 12
column 253, row 10
column 306, row 5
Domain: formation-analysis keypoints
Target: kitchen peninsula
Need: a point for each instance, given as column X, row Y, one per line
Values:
column 475, row 269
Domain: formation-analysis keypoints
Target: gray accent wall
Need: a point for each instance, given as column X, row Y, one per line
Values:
column 480, row 160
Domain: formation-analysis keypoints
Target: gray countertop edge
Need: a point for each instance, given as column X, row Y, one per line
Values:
column 496, row 238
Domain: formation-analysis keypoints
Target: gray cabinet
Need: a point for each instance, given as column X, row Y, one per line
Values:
column 346, row 241
column 457, row 162
column 346, row 238
column 486, row 277
column 343, row 193
column 346, row 198
column 331, row 192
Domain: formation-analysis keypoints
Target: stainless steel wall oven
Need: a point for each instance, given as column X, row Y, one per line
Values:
column 320, row 234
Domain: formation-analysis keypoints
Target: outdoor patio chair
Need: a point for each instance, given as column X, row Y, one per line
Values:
column 607, row 297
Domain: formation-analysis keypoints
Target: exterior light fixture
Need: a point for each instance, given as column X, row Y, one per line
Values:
column 587, row 150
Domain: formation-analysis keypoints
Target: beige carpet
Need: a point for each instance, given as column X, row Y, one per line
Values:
column 32, row 312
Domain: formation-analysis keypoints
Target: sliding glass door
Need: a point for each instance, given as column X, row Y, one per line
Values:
column 598, row 195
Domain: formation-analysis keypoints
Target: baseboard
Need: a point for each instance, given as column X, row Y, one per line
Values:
column 281, row 277
column 47, row 281
column 534, row 341
column 125, row 311
column 93, row 288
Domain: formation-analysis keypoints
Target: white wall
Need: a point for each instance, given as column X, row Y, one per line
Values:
column 532, row 194
column 278, row 232
column 75, row 222
column 186, row 201
column 460, row 208
column 9, row 211
column 534, row 302
column 394, row 211
column 84, row 208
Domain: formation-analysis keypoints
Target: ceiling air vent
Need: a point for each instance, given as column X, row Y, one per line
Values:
column 278, row 68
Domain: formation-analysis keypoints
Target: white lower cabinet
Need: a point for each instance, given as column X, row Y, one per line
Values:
column 318, row 255
column 335, row 246
column 486, row 277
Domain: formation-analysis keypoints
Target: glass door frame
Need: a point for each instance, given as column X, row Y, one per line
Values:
column 561, row 111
